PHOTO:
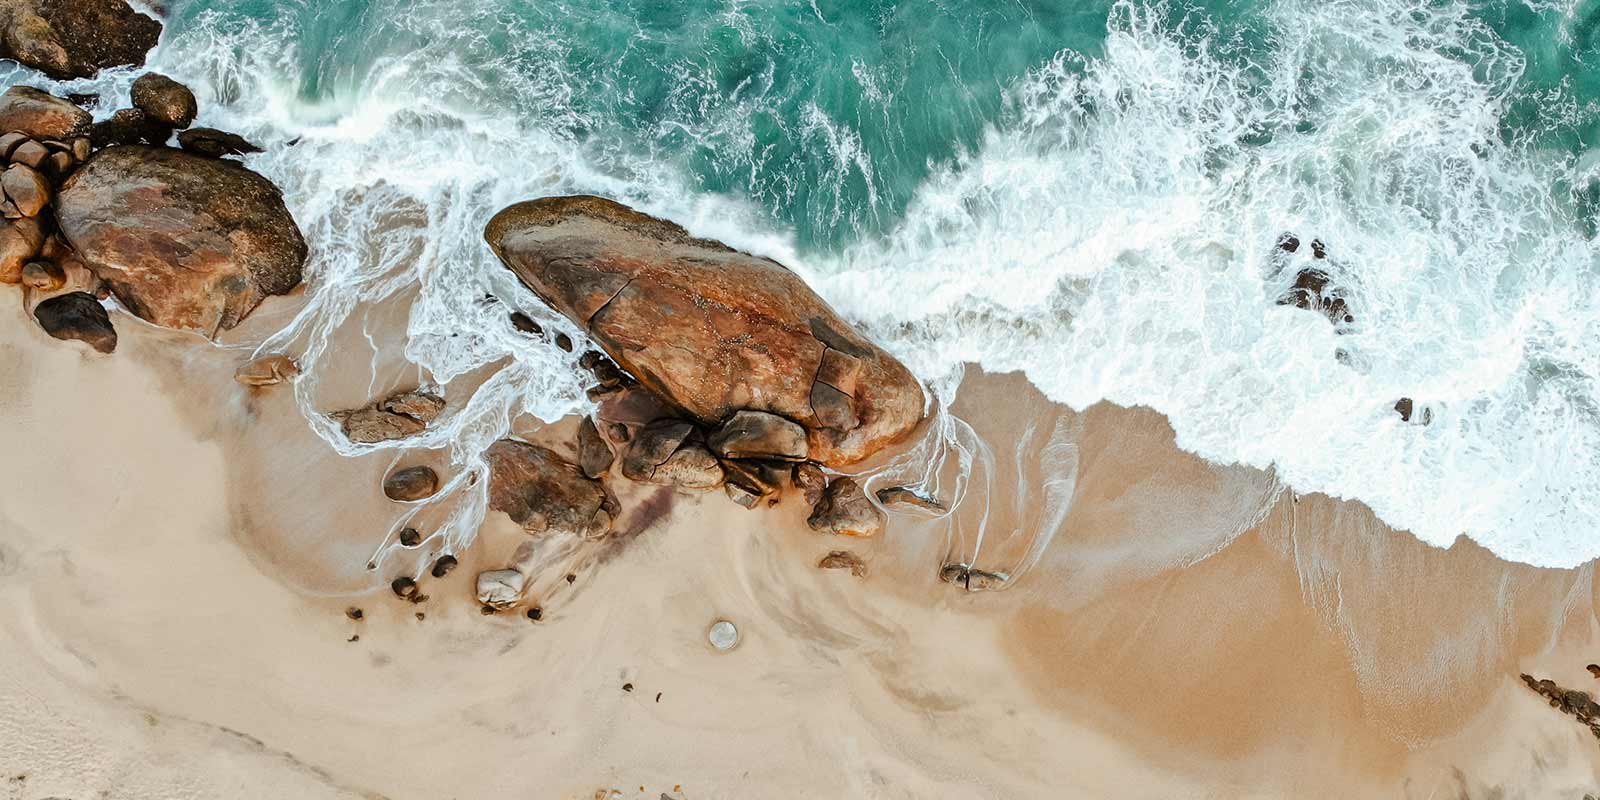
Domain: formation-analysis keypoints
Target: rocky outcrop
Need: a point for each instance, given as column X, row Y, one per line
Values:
column 164, row 101
column 712, row 330
column 846, row 511
column 183, row 242
column 396, row 417
column 411, row 484
column 77, row 315
column 544, row 493
column 40, row 115
column 75, row 38
column 1577, row 704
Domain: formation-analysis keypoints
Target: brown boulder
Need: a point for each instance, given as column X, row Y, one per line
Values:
column 164, row 100
column 184, row 242
column 652, row 446
column 692, row 467
column 411, row 484
column 371, row 425
column 844, row 559
column 77, row 315
column 756, row 434
column 41, row 115
column 20, row 242
column 845, row 510
column 26, row 189
column 544, row 493
column 594, row 455
column 46, row 276
column 212, row 143
column 76, row 38
column 127, row 126
column 712, row 330
column 266, row 370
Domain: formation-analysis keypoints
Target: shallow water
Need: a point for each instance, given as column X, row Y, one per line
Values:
column 1086, row 192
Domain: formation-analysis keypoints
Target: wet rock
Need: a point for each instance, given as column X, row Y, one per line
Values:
column 31, row 154
column 712, row 330
column 844, row 559
column 410, row 537
column 45, row 276
column 543, row 493
column 845, row 510
column 811, row 482
column 266, row 370
column 525, row 323
column 954, row 574
column 691, row 467
column 127, row 126
column 76, row 38
column 594, row 455
column 1312, row 291
column 1405, row 407
column 215, row 144
column 906, row 496
column 10, row 142
column 1288, row 243
column 500, row 589
column 404, row 587
column 422, row 406
column 41, row 115
column 443, row 566
column 750, row 482
column 564, row 342
column 411, row 484
column 77, row 315
column 652, row 446
column 371, row 425
column 184, row 242
column 164, row 100
column 26, row 189
column 756, row 434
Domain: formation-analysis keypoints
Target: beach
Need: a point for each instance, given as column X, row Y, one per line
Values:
column 163, row 640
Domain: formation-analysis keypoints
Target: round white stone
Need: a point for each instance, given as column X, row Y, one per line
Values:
column 723, row 635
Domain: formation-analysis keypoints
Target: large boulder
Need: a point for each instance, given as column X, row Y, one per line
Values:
column 544, row 493
column 75, row 38
column 41, row 115
column 184, row 242
column 77, row 315
column 164, row 100
column 712, row 330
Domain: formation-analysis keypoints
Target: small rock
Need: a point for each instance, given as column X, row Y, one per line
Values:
column 811, row 481
column 46, row 276
column 525, row 323
column 422, row 406
column 266, row 370
column 26, row 189
column 212, row 143
column 627, row 687
column 410, row 537
column 844, row 559
column 564, row 342
column 404, row 587
column 500, row 588
column 10, row 142
column 354, row 613
column 487, row 610
column 980, row 581
column 411, row 484
column 1288, row 243
column 31, row 154
column 845, row 510
column 370, row 425
column 742, row 495
column 1405, row 408
column 544, row 493
column 77, row 315
column 594, row 455
column 443, row 566
column 536, row 613
column 618, row 432
column 757, row 434
column 164, row 100
column 906, row 496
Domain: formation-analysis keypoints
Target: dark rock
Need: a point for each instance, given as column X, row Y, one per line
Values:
column 77, row 315
column 564, row 342
column 536, row 613
column 164, row 100
column 756, row 434
column 1288, row 243
column 906, row 496
column 443, row 566
column 41, row 115
column 544, row 493
column 410, row 537
column 77, row 38
column 422, row 406
column 1312, row 291
column 212, row 143
column 811, row 481
column 844, row 559
column 524, row 323
column 411, row 484
column 354, row 613
column 370, row 425
column 750, row 482
column 712, row 330
column 652, row 446
column 46, row 276
column 594, row 455
column 404, row 587
column 845, row 510
column 1405, row 408
column 184, row 242
column 127, row 126
column 618, row 432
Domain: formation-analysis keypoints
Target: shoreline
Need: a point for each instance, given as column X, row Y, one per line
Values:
column 1128, row 678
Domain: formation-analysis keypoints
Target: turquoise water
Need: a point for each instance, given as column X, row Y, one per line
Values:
column 1090, row 193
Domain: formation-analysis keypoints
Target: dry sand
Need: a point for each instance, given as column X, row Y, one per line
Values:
column 177, row 554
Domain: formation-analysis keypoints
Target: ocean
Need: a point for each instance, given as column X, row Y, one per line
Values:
column 1091, row 193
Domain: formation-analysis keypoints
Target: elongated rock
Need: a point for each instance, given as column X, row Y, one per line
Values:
column 712, row 330
column 184, row 242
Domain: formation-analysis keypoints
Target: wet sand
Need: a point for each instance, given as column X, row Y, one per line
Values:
column 178, row 552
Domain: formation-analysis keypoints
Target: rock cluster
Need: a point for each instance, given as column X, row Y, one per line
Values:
column 75, row 38
column 1313, row 288
column 1580, row 705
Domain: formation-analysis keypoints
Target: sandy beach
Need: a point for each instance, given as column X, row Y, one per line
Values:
column 178, row 554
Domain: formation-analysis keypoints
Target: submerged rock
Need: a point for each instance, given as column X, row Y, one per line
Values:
column 906, row 496
column 544, row 493
column 371, row 425
column 77, row 315
column 76, row 38
column 422, row 406
column 844, row 559
column 712, row 330
column 164, row 100
column 184, row 242
column 411, row 484
column 845, row 510
column 266, row 370
column 212, row 143
column 41, row 115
